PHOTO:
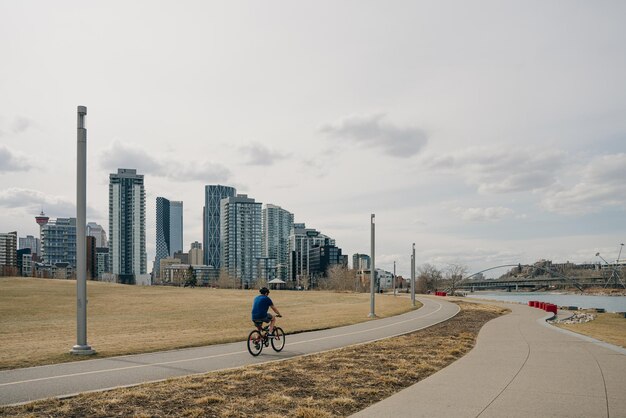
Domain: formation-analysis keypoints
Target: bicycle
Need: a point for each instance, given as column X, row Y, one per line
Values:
column 260, row 337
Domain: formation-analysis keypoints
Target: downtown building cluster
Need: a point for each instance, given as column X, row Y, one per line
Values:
column 244, row 242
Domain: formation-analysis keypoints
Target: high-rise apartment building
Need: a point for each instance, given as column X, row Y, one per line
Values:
column 127, row 225
column 92, row 258
column 213, row 195
column 102, row 261
column 321, row 258
column 58, row 241
column 8, row 254
column 196, row 256
column 241, row 232
column 176, row 226
column 277, row 224
column 30, row 242
column 361, row 261
column 169, row 230
column 98, row 232
column 301, row 241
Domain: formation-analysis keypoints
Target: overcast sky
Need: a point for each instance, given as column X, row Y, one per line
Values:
column 486, row 132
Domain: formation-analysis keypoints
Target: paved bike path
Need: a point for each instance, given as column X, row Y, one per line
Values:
column 520, row 367
column 23, row 385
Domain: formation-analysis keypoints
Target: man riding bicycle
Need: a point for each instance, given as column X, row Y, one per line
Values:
column 260, row 308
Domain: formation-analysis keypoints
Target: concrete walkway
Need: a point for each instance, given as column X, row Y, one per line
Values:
column 520, row 367
column 23, row 385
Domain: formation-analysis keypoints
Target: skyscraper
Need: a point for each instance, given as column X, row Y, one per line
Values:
column 98, row 232
column 127, row 225
column 169, row 230
column 213, row 194
column 195, row 254
column 277, row 224
column 361, row 261
column 301, row 241
column 176, row 226
column 30, row 242
column 241, row 232
column 58, row 241
column 8, row 254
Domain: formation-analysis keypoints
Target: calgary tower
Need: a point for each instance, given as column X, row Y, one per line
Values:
column 41, row 220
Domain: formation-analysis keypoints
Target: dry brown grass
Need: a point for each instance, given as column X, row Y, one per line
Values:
column 608, row 327
column 335, row 383
column 133, row 319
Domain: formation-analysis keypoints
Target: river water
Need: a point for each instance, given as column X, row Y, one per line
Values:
column 609, row 303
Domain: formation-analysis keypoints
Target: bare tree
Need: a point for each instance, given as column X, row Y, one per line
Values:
column 430, row 275
column 339, row 278
column 225, row 280
column 454, row 275
column 261, row 282
column 305, row 281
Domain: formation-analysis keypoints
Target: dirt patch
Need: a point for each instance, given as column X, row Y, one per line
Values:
column 335, row 383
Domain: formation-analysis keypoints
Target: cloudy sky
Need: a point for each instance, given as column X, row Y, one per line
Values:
column 485, row 132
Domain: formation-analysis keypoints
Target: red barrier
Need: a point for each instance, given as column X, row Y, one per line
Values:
column 551, row 308
column 542, row 305
column 531, row 303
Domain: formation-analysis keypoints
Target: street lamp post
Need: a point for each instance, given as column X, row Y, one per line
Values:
column 615, row 276
column 413, row 276
column 394, row 278
column 81, row 346
column 372, row 267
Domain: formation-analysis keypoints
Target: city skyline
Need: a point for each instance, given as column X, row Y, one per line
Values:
column 484, row 133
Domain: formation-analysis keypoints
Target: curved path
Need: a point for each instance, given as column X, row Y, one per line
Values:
column 23, row 385
column 520, row 367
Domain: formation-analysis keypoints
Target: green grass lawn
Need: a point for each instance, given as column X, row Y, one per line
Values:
column 38, row 317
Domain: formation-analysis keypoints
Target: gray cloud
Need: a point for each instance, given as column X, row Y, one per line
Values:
column 28, row 200
column 259, row 154
column 204, row 171
column 489, row 214
column 497, row 170
column 21, row 124
column 484, row 256
column 600, row 185
column 120, row 155
column 9, row 161
column 374, row 131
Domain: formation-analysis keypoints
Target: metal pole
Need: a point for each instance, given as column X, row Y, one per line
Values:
column 394, row 278
column 413, row 276
column 620, row 252
column 372, row 268
column 81, row 346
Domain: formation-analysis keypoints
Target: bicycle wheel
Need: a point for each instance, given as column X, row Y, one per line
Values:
column 278, row 341
column 255, row 343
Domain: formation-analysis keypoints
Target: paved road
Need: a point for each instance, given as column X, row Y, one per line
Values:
column 22, row 385
column 520, row 367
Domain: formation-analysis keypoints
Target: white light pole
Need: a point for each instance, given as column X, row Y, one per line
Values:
column 413, row 276
column 81, row 346
column 373, row 268
column 394, row 278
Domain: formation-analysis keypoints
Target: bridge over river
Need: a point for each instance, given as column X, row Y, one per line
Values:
column 531, row 283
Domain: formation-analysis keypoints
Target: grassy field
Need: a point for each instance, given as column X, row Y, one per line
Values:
column 335, row 383
column 608, row 327
column 38, row 317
